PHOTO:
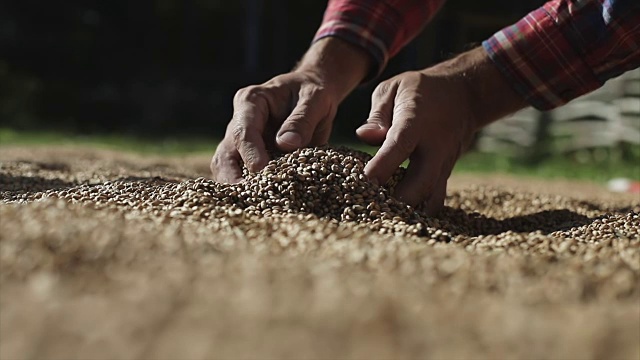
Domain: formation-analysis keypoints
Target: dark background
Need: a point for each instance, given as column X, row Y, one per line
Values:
column 171, row 67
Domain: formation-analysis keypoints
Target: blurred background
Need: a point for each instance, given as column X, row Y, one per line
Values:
column 157, row 67
column 165, row 69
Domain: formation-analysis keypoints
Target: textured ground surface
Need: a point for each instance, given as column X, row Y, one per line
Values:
column 102, row 266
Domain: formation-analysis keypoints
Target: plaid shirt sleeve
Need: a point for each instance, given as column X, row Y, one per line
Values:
column 568, row 48
column 382, row 28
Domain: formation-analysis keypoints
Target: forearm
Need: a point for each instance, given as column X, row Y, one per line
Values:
column 340, row 65
column 541, row 60
column 567, row 48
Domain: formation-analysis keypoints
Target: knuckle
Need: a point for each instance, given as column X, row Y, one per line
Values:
column 298, row 117
column 300, row 125
column 376, row 116
column 239, row 94
column 406, row 106
column 403, row 142
column 311, row 90
column 382, row 89
column 248, row 93
column 239, row 134
column 313, row 96
column 296, row 122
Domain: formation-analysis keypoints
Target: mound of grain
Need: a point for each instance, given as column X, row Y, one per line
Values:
column 329, row 183
column 324, row 182
column 109, row 256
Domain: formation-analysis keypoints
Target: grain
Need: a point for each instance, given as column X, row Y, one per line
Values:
column 121, row 257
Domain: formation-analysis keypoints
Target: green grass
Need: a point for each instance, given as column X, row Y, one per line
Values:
column 167, row 146
column 599, row 168
column 555, row 167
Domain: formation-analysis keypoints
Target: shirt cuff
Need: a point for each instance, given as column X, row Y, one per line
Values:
column 370, row 25
column 538, row 58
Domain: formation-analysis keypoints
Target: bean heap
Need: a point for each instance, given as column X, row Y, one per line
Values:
column 329, row 183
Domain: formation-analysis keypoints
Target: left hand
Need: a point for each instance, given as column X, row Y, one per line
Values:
column 424, row 117
column 429, row 117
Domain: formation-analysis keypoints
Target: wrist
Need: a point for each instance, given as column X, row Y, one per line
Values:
column 488, row 95
column 340, row 65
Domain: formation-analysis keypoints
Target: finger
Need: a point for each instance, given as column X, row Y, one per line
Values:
column 298, row 129
column 225, row 164
column 436, row 201
column 323, row 132
column 247, row 126
column 375, row 129
column 396, row 148
column 420, row 179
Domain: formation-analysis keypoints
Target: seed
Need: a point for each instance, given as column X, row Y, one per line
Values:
column 329, row 183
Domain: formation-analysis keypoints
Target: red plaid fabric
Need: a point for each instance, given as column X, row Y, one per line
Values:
column 556, row 53
column 568, row 48
column 380, row 27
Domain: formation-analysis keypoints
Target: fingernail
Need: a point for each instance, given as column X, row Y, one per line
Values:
column 291, row 138
column 371, row 126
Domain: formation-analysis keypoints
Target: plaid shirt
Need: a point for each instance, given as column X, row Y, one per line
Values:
column 556, row 53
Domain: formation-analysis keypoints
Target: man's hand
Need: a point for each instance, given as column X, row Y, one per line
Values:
column 423, row 118
column 429, row 117
column 291, row 110
column 287, row 112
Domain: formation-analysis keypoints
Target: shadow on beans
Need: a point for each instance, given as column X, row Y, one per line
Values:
column 26, row 184
column 547, row 221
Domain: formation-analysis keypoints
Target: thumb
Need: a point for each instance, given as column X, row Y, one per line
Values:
column 373, row 132
column 298, row 129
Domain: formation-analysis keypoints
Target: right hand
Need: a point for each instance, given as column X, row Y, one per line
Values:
column 288, row 112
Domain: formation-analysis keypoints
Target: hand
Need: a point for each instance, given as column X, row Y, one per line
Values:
column 429, row 117
column 291, row 110
column 424, row 118
column 287, row 112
